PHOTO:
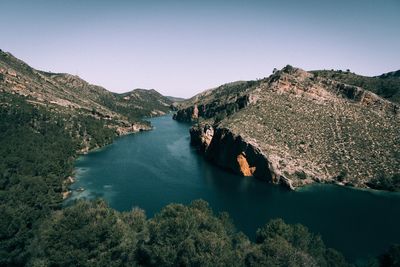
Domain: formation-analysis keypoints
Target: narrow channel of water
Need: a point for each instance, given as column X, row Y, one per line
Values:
column 153, row 169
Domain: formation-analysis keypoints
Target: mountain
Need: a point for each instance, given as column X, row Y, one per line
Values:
column 175, row 99
column 142, row 103
column 386, row 85
column 67, row 94
column 297, row 128
column 61, row 91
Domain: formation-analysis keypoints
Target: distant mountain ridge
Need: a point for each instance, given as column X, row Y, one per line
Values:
column 70, row 91
column 175, row 99
column 297, row 127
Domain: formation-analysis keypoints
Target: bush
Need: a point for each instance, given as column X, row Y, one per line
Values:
column 189, row 236
column 389, row 183
column 89, row 234
column 391, row 257
column 280, row 244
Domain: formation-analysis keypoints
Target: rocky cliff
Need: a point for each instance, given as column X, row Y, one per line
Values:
column 302, row 129
column 232, row 152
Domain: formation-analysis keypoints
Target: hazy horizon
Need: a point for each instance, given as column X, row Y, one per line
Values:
column 182, row 48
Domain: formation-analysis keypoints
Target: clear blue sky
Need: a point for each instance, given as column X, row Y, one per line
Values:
column 183, row 47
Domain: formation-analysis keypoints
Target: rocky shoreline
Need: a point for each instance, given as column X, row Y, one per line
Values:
column 67, row 192
column 235, row 154
column 119, row 131
column 232, row 152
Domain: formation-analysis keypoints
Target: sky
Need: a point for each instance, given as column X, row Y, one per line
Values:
column 181, row 48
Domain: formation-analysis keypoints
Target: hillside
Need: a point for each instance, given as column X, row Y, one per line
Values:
column 298, row 127
column 216, row 102
column 175, row 99
column 142, row 103
column 69, row 94
column 386, row 85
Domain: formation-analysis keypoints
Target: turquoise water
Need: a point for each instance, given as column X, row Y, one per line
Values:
column 152, row 169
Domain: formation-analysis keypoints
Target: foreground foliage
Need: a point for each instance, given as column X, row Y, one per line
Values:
column 92, row 234
column 37, row 149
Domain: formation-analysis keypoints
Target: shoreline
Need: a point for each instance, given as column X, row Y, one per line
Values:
column 232, row 152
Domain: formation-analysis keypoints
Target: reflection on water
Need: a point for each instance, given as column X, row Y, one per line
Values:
column 153, row 169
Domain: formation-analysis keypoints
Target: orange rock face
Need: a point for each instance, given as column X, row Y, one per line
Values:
column 195, row 114
column 244, row 166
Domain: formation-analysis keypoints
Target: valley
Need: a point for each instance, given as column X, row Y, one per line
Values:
column 291, row 128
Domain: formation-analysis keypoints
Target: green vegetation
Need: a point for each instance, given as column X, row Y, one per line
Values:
column 35, row 154
column 92, row 234
column 280, row 244
column 37, row 149
column 389, row 183
column 386, row 85
column 391, row 257
column 88, row 234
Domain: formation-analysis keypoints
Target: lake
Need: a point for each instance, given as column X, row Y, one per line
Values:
column 152, row 169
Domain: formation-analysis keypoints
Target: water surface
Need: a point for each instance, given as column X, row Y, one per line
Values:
column 152, row 169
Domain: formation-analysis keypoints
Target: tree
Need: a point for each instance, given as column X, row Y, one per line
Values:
column 89, row 234
column 391, row 258
column 189, row 236
column 281, row 244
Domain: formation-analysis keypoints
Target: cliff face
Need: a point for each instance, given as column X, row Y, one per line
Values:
column 234, row 153
column 303, row 129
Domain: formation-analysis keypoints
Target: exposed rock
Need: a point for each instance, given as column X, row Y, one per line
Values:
column 133, row 128
column 195, row 113
column 244, row 167
column 66, row 194
column 70, row 180
column 201, row 136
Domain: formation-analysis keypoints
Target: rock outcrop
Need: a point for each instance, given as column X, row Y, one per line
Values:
column 133, row 128
column 236, row 154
